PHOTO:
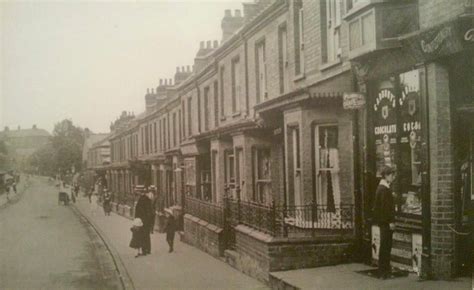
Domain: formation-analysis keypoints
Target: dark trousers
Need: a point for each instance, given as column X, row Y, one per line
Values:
column 146, row 246
column 385, row 248
column 170, row 240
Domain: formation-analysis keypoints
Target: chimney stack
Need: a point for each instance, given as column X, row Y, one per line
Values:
column 202, row 45
column 6, row 129
column 171, row 82
column 230, row 24
column 216, row 43
column 188, row 69
column 177, row 69
column 34, row 127
column 208, row 46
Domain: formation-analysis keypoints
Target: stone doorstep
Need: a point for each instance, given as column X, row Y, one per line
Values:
column 280, row 284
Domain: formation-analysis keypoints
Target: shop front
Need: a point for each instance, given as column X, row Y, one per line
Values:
column 418, row 118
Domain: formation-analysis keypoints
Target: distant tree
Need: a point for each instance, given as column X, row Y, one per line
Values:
column 67, row 142
column 63, row 153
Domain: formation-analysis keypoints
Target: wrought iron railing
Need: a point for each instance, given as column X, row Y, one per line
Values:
column 209, row 212
column 283, row 220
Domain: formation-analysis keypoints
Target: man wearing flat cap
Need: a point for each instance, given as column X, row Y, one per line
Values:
column 384, row 217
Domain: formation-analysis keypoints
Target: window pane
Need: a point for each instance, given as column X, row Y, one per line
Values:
column 368, row 29
column 354, row 35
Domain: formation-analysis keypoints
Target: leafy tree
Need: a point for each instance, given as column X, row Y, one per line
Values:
column 63, row 153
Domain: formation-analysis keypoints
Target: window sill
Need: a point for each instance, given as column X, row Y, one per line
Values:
column 331, row 64
column 356, row 9
column 236, row 114
column 299, row 77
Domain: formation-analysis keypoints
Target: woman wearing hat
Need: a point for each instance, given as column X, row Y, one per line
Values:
column 384, row 217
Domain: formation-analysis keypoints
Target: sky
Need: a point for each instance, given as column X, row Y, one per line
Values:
column 88, row 61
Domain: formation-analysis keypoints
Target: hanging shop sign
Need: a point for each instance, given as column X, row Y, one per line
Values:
column 442, row 40
column 353, row 101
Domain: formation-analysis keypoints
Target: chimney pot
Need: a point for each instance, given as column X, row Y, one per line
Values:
column 152, row 91
column 161, row 82
column 19, row 128
column 228, row 13
column 6, row 129
column 188, row 69
column 171, row 82
column 34, row 126
column 237, row 13
column 216, row 43
column 165, row 82
column 183, row 69
column 177, row 69
column 208, row 44
column 202, row 44
column 147, row 91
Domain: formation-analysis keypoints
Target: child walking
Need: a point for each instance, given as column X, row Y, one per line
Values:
column 136, row 243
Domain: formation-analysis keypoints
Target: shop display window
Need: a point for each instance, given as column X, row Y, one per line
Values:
column 397, row 136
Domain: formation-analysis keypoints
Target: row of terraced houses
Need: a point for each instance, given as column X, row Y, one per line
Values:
column 268, row 148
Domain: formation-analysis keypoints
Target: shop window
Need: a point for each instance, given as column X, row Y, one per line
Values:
column 327, row 166
column 262, row 176
column 397, row 131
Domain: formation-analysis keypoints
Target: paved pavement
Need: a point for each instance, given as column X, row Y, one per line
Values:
column 186, row 268
column 345, row 277
column 44, row 245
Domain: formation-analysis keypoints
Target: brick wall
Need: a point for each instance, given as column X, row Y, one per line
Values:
column 441, row 172
column 258, row 254
column 203, row 235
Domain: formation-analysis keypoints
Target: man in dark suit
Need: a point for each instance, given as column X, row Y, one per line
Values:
column 143, row 211
column 384, row 217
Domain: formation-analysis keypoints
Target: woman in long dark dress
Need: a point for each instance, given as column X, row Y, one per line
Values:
column 107, row 202
column 143, row 211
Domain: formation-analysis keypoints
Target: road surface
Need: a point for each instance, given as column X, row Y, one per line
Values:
column 44, row 245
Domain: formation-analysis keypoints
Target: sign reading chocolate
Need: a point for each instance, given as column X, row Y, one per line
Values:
column 386, row 129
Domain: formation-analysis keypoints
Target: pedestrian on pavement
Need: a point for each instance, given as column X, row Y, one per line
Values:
column 384, row 217
column 135, row 243
column 107, row 202
column 151, row 196
column 73, row 196
column 89, row 195
column 94, row 204
column 14, row 186
column 170, row 229
column 143, row 211
column 8, row 192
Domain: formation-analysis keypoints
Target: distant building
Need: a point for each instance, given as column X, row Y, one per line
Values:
column 95, row 152
column 22, row 143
